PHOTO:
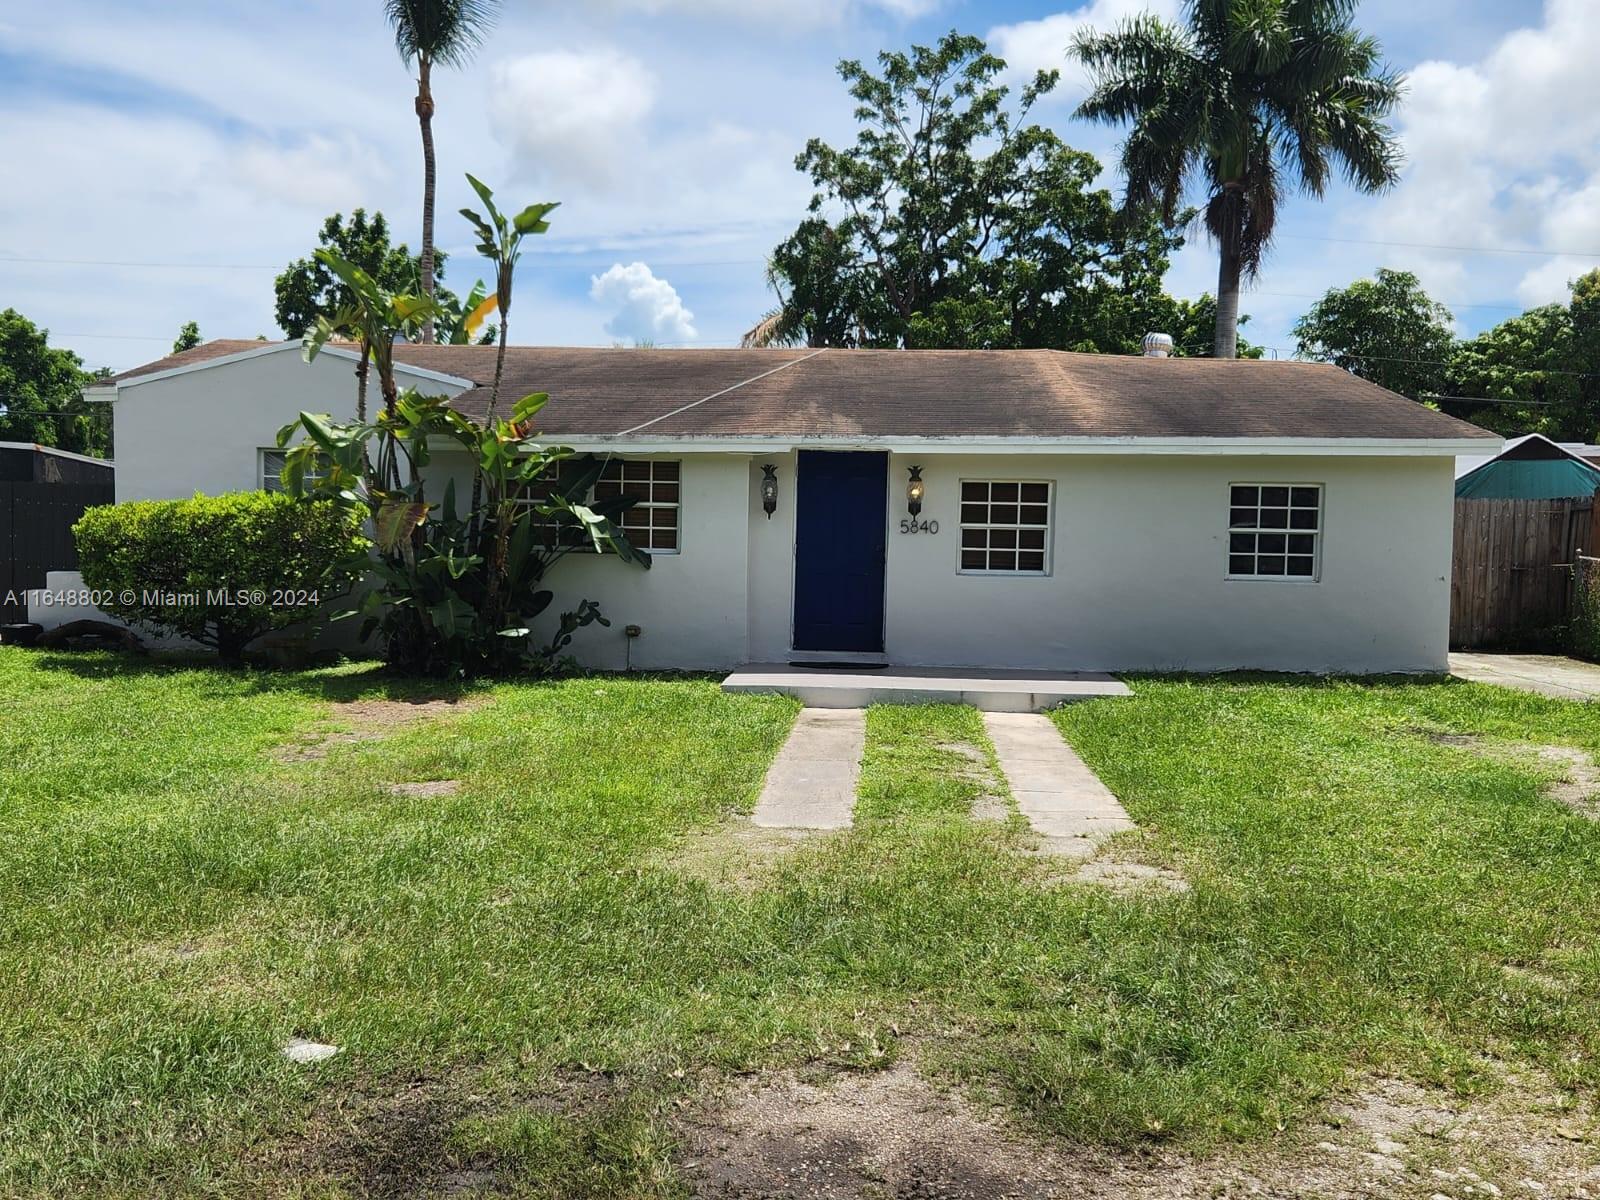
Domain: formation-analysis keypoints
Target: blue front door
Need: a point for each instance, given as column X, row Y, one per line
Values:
column 841, row 523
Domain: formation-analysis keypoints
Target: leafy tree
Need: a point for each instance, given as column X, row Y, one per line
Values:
column 307, row 289
column 1388, row 330
column 188, row 337
column 1247, row 97
column 1192, row 323
column 41, row 392
column 428, row 32
column 1524, row 366
column 951, row 221
column 1541, row 368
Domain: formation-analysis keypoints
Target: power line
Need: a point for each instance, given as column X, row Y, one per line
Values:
column 1312, row 237
column 95, row 262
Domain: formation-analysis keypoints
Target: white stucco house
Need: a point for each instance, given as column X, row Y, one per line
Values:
column 1084, row 512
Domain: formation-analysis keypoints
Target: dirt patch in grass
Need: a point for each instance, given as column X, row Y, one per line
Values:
column 369, row 720
column 390, row 1141
column 1577, row 787
column 1128, row 877
column 990, row 803
column 895, row 1134
column 383, row 1140
column 426, row 789
column 735, row 854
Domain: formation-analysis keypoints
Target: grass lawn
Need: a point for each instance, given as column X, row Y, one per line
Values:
column 519, row 973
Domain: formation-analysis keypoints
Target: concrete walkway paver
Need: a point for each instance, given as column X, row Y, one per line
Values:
column 1545, row 674
column 1062, row 798
column 812, row 782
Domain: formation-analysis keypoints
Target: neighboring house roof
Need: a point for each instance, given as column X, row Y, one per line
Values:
column 36, row 448
column 1530, row 468
column 204, row 352
column 1025, row 394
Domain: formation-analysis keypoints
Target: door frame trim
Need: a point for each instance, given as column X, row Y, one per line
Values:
column 865, row 656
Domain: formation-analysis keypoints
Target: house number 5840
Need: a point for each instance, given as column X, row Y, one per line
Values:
column 912, row 525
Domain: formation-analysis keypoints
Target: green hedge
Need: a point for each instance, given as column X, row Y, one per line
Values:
column 1584, row 631
column 220, row 570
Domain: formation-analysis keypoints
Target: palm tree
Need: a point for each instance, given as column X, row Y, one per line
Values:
column 428, row 32
column 1244, row 98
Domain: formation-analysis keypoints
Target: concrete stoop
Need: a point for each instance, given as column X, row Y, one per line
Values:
column 988, row 690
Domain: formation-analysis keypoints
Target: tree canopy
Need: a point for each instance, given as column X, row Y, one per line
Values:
column 1240, row 102
column 1536, row 372
column 1541, row 369
column 307, row 290
column 1387, row 329
column 952, row 222
column 188, row 337
column 41, row 392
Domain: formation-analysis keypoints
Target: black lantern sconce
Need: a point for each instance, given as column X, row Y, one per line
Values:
column 769, row 489
column 914, row 492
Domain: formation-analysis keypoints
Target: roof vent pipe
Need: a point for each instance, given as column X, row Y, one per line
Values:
column 1158, row 345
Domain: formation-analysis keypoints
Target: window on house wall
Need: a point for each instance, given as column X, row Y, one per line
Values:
column 1005, row 527
column 652, row 523
column 272, row 471
column 1274, row 530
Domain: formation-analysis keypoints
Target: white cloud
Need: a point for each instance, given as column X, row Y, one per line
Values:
column 646, row 309
column 1548, row 282
column 1504, row 152
column 571, row 116
column 788, row 13
column 1043, row 45
column 319, row 172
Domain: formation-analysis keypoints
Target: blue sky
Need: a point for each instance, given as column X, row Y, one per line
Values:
column 165, row 160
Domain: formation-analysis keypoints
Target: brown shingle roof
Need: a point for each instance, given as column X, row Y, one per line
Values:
column 924, row 393
column 220, row 348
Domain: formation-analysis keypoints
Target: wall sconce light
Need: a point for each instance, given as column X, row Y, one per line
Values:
column 914, row 492
column 769, row 489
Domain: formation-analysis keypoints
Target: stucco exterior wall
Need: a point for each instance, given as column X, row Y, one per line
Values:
column 690, row 606
column 1139, row 565
column 203, row 431
column 1137, row 580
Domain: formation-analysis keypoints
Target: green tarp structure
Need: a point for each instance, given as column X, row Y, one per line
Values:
column 1533, row 469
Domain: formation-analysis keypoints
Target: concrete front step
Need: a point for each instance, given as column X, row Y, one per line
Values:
column 990, row 691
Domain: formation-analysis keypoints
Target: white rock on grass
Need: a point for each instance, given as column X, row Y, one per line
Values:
column 301, row 1051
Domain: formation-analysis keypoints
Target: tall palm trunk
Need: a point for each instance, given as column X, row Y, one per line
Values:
column 425, row 120
column 1227, row 226
column 1225, row 344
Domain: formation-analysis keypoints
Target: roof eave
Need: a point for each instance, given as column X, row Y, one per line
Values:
column 983, row 444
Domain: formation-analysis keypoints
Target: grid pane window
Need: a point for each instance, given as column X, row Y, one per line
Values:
column 1274, row 530
column 1005, row 526
column 652, row 523
column 272, row 471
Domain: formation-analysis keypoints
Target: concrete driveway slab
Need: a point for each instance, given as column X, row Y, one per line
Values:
column 1062, row 798
column 812, row 782
column 1544, row 674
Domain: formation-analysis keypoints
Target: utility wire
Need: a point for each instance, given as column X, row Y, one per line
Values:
column 1311, row 237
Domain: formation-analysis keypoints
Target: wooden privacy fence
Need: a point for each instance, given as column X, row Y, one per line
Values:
column 1511, row 580
column 36, row 522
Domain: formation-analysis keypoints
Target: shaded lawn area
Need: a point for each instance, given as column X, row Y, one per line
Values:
column 525, row 956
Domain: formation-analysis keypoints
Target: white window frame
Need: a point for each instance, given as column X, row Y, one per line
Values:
column 1317, row 534
column 262, row 476
column 1049, row 528
column 651, row 505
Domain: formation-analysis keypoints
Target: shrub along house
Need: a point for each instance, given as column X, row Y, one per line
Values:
column 1026, row 509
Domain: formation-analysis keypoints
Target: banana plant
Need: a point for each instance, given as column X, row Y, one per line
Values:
column 459, row 589
column 500, row 241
